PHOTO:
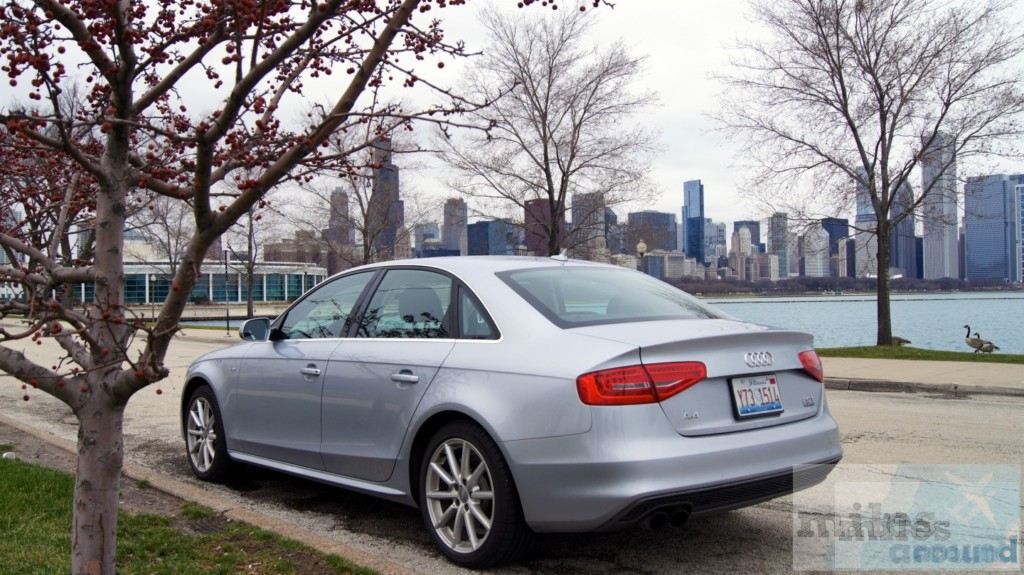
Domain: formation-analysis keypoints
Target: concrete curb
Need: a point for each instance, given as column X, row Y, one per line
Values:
column 951, row 389
column 228, row 508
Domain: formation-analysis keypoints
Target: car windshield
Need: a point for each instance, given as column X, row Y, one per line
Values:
column 573, row 297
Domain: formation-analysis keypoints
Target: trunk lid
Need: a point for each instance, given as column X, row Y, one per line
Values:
column 736, row 354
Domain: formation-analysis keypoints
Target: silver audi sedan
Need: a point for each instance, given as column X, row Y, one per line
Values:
column 508, row 396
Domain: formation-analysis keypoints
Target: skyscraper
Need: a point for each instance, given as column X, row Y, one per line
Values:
column 755, row 232
column 816, row 251
column 386, row 209
column 865, row 239
column 837, row 229
column 453, row 231
column 992, row 227
column 693, row 220
column 424, row 232
column 656, row 229
column 1018, row 232
column 742, row 251
column 589, row 228
column 340, row 228
column 715, row 241
column 938, row 183
column 902, row 238
column 539, row 225
column 778, row 241
column 492, row 237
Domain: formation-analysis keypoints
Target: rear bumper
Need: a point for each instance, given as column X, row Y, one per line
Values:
column 719, row 498
column 605, row 480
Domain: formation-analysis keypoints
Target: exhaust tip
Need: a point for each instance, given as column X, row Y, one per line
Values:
column 679, row 518
column 657, row 521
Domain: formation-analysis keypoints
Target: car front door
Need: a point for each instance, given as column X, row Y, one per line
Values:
column 277, row 404
column 377, row 378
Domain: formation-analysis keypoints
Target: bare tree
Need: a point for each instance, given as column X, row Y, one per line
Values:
column 560, row 127
column 847, row 99
column 136, row 135
column 167, row 226
column 253, row 230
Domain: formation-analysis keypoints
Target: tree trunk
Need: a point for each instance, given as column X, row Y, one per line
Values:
column 884, row 312
column 100, row 459
column 250, row 306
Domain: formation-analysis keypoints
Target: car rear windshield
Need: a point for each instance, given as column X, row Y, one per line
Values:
column 574, row 297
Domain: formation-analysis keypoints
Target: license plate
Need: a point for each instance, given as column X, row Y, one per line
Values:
column 756, row 395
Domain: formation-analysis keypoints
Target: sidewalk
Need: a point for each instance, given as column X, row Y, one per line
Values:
column 958, row 378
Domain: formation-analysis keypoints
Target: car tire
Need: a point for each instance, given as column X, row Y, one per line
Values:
column 205, row 445
column 468, row 499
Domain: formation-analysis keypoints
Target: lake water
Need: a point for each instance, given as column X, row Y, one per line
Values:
column 929, row 321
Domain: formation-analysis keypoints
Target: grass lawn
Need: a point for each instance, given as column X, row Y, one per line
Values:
column 897, row 352
column 35, row 536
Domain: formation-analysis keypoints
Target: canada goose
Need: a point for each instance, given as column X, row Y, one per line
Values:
column 897, row 340
column 986, row 346
column 974, row 342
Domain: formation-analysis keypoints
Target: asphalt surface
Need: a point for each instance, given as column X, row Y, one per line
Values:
column 152, row 424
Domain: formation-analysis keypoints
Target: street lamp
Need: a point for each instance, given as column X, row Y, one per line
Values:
column 152, row 296
column 641, row 249
column 227, row 301
column 305, row 270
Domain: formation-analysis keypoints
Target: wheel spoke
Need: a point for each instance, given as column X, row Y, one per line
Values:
column 478, row 513
column 457, row 526
column 447, row 517
column 467, row 460
column 442, row 495
column 474, row 541
column 442, row 474
column 452, row 461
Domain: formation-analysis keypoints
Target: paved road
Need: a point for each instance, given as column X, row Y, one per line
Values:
column 877, row 428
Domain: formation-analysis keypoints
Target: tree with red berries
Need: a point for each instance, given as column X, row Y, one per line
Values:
column 189, row 101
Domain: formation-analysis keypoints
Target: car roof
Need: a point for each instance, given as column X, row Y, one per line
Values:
column 470, row 265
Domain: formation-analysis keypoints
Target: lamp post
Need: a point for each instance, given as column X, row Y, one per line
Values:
column 641, row 249
column 227, row 300
column 152, row 296
column 305, row 270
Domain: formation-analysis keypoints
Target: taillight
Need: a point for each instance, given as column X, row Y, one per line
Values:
column 812, row 364
column 638, row 384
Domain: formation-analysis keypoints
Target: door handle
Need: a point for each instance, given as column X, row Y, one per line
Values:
column 404, row 376
column 310, row 370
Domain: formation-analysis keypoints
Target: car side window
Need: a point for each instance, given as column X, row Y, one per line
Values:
column 473, row 321
column 408, row 303
column 325, row 312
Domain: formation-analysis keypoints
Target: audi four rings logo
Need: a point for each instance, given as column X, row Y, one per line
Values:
column 758, row 359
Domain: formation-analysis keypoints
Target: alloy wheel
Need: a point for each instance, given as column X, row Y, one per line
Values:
column 201, row 434
column 460, row 495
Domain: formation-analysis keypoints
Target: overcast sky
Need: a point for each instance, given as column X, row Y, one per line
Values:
column 685, row 42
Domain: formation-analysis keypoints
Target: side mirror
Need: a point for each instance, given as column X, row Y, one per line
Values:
column 255, row 329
